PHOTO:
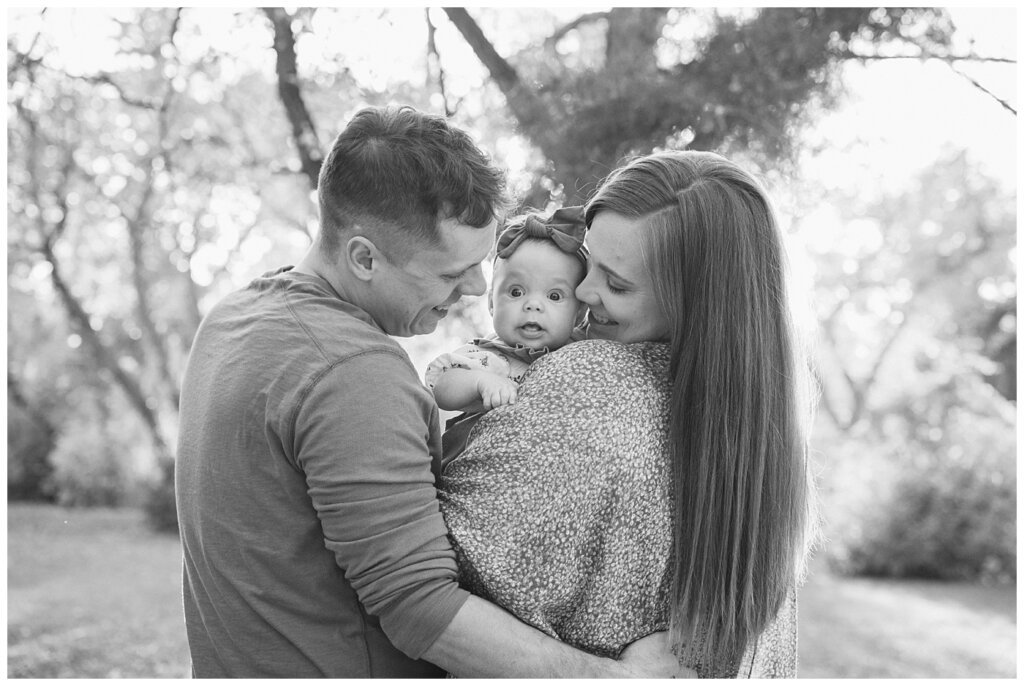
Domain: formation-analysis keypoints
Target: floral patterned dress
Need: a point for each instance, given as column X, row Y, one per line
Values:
column 560, row 509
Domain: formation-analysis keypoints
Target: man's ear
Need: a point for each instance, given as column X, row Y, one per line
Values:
column 361, row 257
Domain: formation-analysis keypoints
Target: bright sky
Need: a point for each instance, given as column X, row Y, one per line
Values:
column 904, row 111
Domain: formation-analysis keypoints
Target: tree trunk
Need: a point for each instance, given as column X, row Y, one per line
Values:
column 303, row 129
column 532, row 113
column 633, row 34
column 103, row 355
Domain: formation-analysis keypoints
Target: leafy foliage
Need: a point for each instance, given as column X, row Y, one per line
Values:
column 29, row 445
column 941, row 499
column 129, row 230
column 89, row 466
column 689, row 78
column 918, row 446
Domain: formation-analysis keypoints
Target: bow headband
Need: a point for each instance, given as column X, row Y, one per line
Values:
column 565, row 228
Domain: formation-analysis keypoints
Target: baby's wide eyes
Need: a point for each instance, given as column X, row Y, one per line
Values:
column 516, row 292
column 555, row 296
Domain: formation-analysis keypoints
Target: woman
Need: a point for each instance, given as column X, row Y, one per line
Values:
column 661, row 484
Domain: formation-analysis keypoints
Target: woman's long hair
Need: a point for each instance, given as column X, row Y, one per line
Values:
column 740, row 403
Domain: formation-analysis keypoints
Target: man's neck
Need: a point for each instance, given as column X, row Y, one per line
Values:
column 312, row 263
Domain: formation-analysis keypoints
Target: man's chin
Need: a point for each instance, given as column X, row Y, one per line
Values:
column 423, row 329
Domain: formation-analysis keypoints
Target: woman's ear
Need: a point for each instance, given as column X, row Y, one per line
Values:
column 361, row 257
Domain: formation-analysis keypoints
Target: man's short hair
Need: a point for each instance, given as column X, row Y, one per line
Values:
column 395, row 172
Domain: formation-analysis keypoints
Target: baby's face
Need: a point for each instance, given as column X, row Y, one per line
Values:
column 533, row 297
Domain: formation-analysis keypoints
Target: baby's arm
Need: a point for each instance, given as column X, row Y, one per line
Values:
column 471, row 380
column 473, row 390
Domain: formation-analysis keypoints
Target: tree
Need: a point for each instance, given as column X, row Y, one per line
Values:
column 916, row 294
column 920, row 278
column 742, row 82
column 132, row 227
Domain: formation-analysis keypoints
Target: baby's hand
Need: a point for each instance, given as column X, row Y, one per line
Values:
column 496, row 390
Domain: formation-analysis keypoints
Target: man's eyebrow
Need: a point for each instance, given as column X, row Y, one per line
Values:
column 608, row 270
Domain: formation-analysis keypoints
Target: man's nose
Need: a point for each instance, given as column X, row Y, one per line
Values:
column 474, row 282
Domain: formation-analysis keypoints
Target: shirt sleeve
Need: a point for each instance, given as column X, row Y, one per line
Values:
column 363, row 440
column 467, row 357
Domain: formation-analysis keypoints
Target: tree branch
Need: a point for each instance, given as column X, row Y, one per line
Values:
column 73, row 307
column 561, row 31
column 137, row 223
column 102, row 354
column 303, row 129
column 434, row 58
column 15, row 393
column 984, row 90
column 924, row 55
column 528, row 109
column 949, row 59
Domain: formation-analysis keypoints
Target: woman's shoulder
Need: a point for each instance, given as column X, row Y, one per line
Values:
column 596, row 351
column 601, row 360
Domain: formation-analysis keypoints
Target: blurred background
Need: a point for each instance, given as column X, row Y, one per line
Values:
column 159, row 158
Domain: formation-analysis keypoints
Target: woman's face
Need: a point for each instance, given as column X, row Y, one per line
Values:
column 618, row 288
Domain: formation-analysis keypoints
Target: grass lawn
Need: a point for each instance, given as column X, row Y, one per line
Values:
column 94, row 593
column 884, row 628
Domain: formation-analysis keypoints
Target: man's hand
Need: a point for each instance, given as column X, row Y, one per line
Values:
column 495, row 390
column 651, row 658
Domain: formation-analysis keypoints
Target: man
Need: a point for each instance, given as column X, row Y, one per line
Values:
column 313, row 542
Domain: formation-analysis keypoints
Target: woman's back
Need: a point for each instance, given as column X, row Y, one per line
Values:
column 561, row 510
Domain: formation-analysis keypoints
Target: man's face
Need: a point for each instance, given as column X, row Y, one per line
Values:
column 415, row 296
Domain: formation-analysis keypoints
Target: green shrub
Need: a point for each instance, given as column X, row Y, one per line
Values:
column 29, row 444
column 938, row 504
column 91, row 468
column 159, row 500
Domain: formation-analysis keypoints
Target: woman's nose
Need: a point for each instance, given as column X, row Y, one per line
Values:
column 585, row 291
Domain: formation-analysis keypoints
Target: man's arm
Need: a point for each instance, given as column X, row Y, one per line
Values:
column 484, row 641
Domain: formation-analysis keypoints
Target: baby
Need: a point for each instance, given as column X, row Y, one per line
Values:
column 532, row 301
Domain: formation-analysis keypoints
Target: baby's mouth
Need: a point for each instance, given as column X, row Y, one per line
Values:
column 531, row 328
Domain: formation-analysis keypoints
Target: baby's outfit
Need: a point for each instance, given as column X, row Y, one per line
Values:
column 490, row 354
